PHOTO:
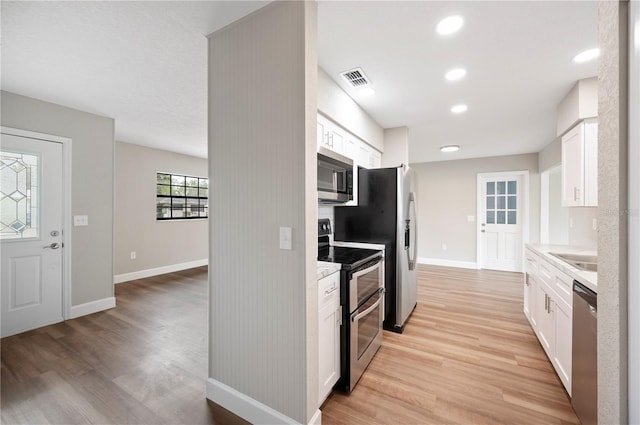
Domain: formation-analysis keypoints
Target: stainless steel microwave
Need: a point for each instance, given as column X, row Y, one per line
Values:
column 335, row 177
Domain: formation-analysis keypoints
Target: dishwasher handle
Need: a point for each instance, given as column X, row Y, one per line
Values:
column 590, row 297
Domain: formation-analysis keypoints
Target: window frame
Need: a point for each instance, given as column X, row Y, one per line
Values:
column 182, row 197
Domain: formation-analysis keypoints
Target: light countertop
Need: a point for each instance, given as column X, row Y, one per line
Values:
column 326, row 268
column 588, row 279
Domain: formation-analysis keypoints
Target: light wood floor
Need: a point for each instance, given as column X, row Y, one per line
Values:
column 467, row 356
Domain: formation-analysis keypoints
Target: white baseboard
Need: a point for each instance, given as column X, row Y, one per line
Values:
column 91, row 307
column 246, row 407
column 448, row 263
column 316, row 419
column 141, row 274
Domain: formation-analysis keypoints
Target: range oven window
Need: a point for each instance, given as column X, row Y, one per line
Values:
column 369, row 325
column 367, row 284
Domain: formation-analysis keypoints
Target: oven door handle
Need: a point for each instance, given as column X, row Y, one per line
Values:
column 367, row 270
column 370, row 309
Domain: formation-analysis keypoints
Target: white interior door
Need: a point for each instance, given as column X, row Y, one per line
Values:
column 31, row 218
column 501, row 222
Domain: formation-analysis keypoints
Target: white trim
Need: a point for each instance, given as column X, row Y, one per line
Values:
column 92, row 307
column 244, row 406
column 316, row 419
column 634, row 216
column 525, row 210
column 141, row 274
column 448, row 263
column 66, row 207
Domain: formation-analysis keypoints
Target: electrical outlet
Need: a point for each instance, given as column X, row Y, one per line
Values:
column 132, row 255
column 444, row 246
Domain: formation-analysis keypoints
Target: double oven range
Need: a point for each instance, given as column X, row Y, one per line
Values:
column 362, row 301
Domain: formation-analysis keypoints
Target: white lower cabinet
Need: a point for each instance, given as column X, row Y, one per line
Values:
column 547, row 305
column 329, row 321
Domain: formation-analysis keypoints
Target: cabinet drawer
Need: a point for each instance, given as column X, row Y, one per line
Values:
column 546, row 272
column 531, row 263
column 329, row 290
column 563, row 286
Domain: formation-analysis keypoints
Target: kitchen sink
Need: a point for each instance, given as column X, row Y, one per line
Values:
column 583, row 262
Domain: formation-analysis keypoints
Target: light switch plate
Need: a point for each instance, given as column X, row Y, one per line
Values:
column 285, row 238
column 594, row 225
column 471, row 218
column 80, row 220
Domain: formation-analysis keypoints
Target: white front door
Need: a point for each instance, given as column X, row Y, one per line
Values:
column 31, row 218
column 501, row 220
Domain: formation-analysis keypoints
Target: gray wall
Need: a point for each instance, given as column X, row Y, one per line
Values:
column 262, row 162
column 156, row 243
column 447, row 195
column 92, row 186
column 612, row 217
column 337, row 105
column 558, row 215
column 551, row 155
column 396, row 147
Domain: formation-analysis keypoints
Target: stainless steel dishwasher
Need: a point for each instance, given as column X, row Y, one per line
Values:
column 584, row 370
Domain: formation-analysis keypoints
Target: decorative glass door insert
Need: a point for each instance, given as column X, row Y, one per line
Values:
column 18, row 195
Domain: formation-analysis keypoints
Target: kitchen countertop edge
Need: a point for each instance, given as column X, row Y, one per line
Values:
column 588, row 279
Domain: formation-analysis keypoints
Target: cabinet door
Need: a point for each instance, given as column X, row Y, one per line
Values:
column 336, row 135
column 573, row 167
column 563, row 321
column 329, row 349
column 529, row 299
column 322, row 134
column 545, row 319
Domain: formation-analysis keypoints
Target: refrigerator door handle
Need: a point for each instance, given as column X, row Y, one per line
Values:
column 413, row 246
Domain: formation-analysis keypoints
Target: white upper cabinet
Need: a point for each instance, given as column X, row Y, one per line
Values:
column 332, row 136
column 580, row 165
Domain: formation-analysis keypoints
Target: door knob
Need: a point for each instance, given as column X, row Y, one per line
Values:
column 482, row 230
column 54, row 245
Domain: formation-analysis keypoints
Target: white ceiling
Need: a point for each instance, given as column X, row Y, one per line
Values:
column 144, row 64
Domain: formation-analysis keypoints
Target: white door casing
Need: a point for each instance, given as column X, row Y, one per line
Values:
column 502, row 220
column 32, row 232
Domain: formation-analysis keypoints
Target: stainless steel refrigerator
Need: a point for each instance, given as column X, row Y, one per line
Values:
column 386, row 214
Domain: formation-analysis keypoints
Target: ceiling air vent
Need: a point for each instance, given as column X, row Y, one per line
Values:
column 356, row 77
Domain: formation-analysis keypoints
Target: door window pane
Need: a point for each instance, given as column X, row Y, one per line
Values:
column 501, row 202
column 18, row 195
column 491, row 188
column 491, row 217
column 511, row 217
column 501, row 188
column 512, row 186
column 512, row 203
column 491, row 202
column 500, row 219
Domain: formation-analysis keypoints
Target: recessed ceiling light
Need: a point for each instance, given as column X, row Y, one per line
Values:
column 587, row 55
column 367, row 92
column 450, row 148
column 455, row 74
column 449, row 25
column 458, row 109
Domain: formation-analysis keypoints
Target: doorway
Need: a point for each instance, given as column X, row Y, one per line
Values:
column 32, row 230
column 503, row 222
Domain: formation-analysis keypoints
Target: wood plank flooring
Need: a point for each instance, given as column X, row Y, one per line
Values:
column 143, row 362
column 467, row 356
